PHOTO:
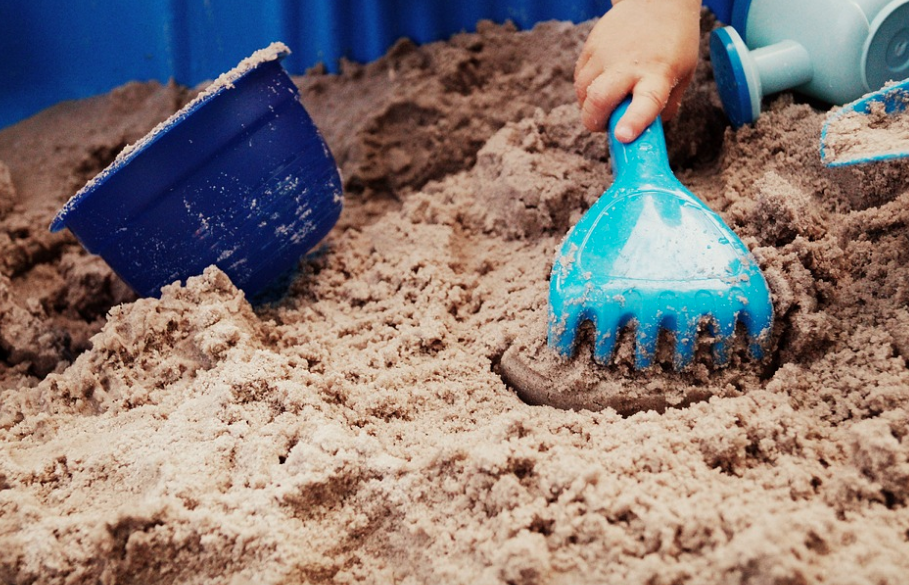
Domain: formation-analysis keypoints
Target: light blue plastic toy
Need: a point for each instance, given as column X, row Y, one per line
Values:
column 833, row 50
column 895, row 101
column 650, row 254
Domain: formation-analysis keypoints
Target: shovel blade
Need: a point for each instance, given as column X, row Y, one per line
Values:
column 871, row 129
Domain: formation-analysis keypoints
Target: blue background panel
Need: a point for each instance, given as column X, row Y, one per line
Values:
column 52, row 50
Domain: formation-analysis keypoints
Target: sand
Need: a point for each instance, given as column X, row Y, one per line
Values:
column 857, row 136
column 360, row 431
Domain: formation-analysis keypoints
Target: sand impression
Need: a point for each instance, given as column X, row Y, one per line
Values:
column 360, row 430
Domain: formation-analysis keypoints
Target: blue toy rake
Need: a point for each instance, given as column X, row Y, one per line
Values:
column 650, row 255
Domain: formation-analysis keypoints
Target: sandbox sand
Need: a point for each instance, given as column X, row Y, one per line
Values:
column 359, row 431
column 857, row 136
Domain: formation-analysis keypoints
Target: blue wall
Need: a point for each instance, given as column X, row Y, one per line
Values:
column 53, row 50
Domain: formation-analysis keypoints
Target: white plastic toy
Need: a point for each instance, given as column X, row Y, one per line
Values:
column 833, row 50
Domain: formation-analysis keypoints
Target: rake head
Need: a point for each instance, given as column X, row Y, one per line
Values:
column 650, row 255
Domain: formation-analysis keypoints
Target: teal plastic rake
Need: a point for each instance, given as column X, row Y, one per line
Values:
column 650, row 255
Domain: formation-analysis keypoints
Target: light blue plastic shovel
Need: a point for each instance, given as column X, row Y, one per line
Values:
column 651, row 255
column 894, row 99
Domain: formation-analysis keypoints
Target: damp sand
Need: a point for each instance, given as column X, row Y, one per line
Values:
column 360, row 431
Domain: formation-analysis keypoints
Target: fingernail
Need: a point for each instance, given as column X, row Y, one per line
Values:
column 624, row 133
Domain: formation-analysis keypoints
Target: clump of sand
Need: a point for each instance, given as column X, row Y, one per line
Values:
column 359, row 430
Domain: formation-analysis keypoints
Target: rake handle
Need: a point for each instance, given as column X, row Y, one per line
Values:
column 644, row 160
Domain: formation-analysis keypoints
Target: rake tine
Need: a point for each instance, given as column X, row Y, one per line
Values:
column 758, row 327
column 686, row 338
column 723, row 329
column 608, row 326
column 563, row 327
column 647, row 331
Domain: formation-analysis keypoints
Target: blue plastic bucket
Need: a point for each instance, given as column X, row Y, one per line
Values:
column 240, row 178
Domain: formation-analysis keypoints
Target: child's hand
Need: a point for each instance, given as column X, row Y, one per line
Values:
column 646, row 48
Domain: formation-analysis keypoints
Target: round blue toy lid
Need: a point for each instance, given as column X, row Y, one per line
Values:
column 731, row 77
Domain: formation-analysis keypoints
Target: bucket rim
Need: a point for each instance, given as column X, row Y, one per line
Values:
column 275, row 52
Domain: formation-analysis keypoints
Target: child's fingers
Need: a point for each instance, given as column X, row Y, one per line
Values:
column 603, row 95
column 648, row 100
column 583, row 77
column 582, row 62
column 675, row 99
